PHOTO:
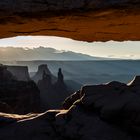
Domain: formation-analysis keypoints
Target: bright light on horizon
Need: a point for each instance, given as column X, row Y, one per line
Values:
column 110, row 49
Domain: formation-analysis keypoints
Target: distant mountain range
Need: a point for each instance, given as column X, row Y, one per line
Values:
column 42, row 53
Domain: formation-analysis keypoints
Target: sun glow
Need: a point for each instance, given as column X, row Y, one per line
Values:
column 110, row 49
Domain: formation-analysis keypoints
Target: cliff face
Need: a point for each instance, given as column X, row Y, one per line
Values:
column 20, row 72
column 20, row 97
column 17, row 96
column 107, row 20
column 38, row 75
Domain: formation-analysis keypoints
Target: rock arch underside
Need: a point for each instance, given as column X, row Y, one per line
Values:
column 86, row 20
column 95, row 112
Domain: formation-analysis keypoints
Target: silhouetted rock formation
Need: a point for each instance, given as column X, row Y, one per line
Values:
column 20, row 72
column 5, row 75
column 46, row 82
column 60, row 85
column 17, row 96
column 60, row 76
column 42, row 68
column 52, row 95
column 102, row 112
column 135, row 81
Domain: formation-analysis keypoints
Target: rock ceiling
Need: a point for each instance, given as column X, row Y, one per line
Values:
column 86, row 25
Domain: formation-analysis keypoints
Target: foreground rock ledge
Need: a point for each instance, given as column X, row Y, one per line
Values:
column 99, row 112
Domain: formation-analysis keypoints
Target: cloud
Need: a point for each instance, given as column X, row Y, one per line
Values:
column 41, row 53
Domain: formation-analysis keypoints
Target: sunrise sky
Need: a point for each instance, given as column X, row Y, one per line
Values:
column 111, row 49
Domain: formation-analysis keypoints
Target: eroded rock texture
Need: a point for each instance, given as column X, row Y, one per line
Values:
column 87, row 20
column 100, row 112
column 20, row 72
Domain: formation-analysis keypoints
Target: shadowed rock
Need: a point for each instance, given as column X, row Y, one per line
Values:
column 17, row 96
column 5, row 75
column 46, row 82
column 20, row 72
column 41, row 69
column 55, row 5
column 69, row 101
column 52, row 94
column 135, row 81
column 106, row 111
column 60, row 85
column 5, row 108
